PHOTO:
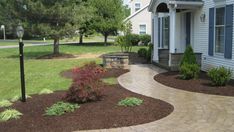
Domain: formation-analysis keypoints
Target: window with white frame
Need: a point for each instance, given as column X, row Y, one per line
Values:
column 137, row 6
column 142, row 29
column 219, row 30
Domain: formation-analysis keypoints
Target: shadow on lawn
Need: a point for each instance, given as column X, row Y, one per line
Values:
column 30, row 55
column 90, row 44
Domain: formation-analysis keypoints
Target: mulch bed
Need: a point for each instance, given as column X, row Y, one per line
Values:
column 200, row 85
column 57, row 56
column 95, row 115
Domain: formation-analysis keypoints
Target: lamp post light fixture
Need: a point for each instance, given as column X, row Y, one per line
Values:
column 20, row 34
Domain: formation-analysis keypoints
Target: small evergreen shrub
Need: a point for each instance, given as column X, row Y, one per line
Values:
column 61, row 108
column 189, row 71
column 45, row 91
column 189, row 56
column 9, row 114
column 149, row 52
column 142, row 52
column 145, row 39
column 220, row 76
column 5, row 103
column 130, row 101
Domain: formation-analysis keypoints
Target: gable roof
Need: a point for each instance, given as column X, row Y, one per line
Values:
column 135, row 13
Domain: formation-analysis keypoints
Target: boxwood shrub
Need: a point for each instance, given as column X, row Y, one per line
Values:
column 220, row 76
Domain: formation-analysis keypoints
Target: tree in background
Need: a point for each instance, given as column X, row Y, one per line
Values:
column 127, row 11
column 109, row 16
column 50, row 18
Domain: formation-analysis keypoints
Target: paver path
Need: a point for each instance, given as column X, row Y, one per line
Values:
column 193, row 112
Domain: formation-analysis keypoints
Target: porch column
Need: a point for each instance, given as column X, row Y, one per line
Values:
column 155, row 36
column 172, row 46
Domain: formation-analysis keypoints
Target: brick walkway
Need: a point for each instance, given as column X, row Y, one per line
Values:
column 194, row 112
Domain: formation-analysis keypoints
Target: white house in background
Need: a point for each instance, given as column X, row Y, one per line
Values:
column 140, row 17
column 206, row 25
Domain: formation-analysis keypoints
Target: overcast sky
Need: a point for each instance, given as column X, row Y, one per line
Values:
column 125, row 1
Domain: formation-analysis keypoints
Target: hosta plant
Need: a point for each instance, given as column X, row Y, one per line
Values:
column 130, row 101
column 10, row 114
column 61, row 108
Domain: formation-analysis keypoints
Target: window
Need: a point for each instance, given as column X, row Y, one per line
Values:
column 165, row 34
column 137, row 6
column 220, row 30
column 142, row 29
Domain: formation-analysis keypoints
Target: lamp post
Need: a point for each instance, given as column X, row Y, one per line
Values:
column 4, row 31
column 20, row 34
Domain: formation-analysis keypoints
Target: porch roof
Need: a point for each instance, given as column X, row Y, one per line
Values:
column 177, row 4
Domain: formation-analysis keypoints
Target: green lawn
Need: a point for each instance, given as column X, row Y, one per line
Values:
column 41, row 74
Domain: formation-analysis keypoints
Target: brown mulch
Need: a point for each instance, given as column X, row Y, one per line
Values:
column 200, row 85
column 95, row 115
column 57, row 56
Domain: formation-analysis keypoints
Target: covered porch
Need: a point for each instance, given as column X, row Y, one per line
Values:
column 172, row 30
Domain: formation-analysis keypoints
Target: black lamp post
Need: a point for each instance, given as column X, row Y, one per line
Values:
column 20, row 34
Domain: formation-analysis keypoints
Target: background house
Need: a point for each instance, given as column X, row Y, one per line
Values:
column 140, row 17
column 206, row 25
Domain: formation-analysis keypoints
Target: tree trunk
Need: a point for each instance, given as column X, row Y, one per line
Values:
column 105, row 41
column 56, row 46
column 81, row 38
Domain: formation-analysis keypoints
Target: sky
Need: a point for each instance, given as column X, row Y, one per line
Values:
column 125, row 1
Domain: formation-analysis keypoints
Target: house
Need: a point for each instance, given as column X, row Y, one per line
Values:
column 140, row 17
column 206, row 25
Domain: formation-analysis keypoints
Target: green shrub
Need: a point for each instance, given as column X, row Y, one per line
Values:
column 61, row 108
column 189, row 56
column 5, row 103
column 142, row 52
column 45, row 91
column 189, row 71
column 145, row 39
column 134, row 39
column 10, row 114
column 220, row 76
column 149, row 52
column 130, row 101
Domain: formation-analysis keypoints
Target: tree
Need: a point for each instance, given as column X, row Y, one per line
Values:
column 109, row 16
column 50, row 18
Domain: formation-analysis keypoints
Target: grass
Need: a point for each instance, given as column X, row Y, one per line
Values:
column 10, row 114
column 43, row 74
column 61, row 108
column 5, row 103
column 45, row 91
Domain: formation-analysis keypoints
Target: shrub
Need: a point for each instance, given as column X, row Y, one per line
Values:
column 10, row 114
column 142, row 52
column 45, row 91
column 135, row 39
column 220, row 76
column 130, row 101
column 5, row 103
column 189, row 56
column 61, row 108
column 145, row 39
column 86, row 85
column 149, row 52
column 189, row 71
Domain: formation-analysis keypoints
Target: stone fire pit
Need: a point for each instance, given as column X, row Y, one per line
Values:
column 116, row 60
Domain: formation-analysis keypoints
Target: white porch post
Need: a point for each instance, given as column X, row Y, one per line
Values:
column 172, row 12
column 155, row 36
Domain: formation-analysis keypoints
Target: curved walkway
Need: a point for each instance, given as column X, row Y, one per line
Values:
column 193, row 112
